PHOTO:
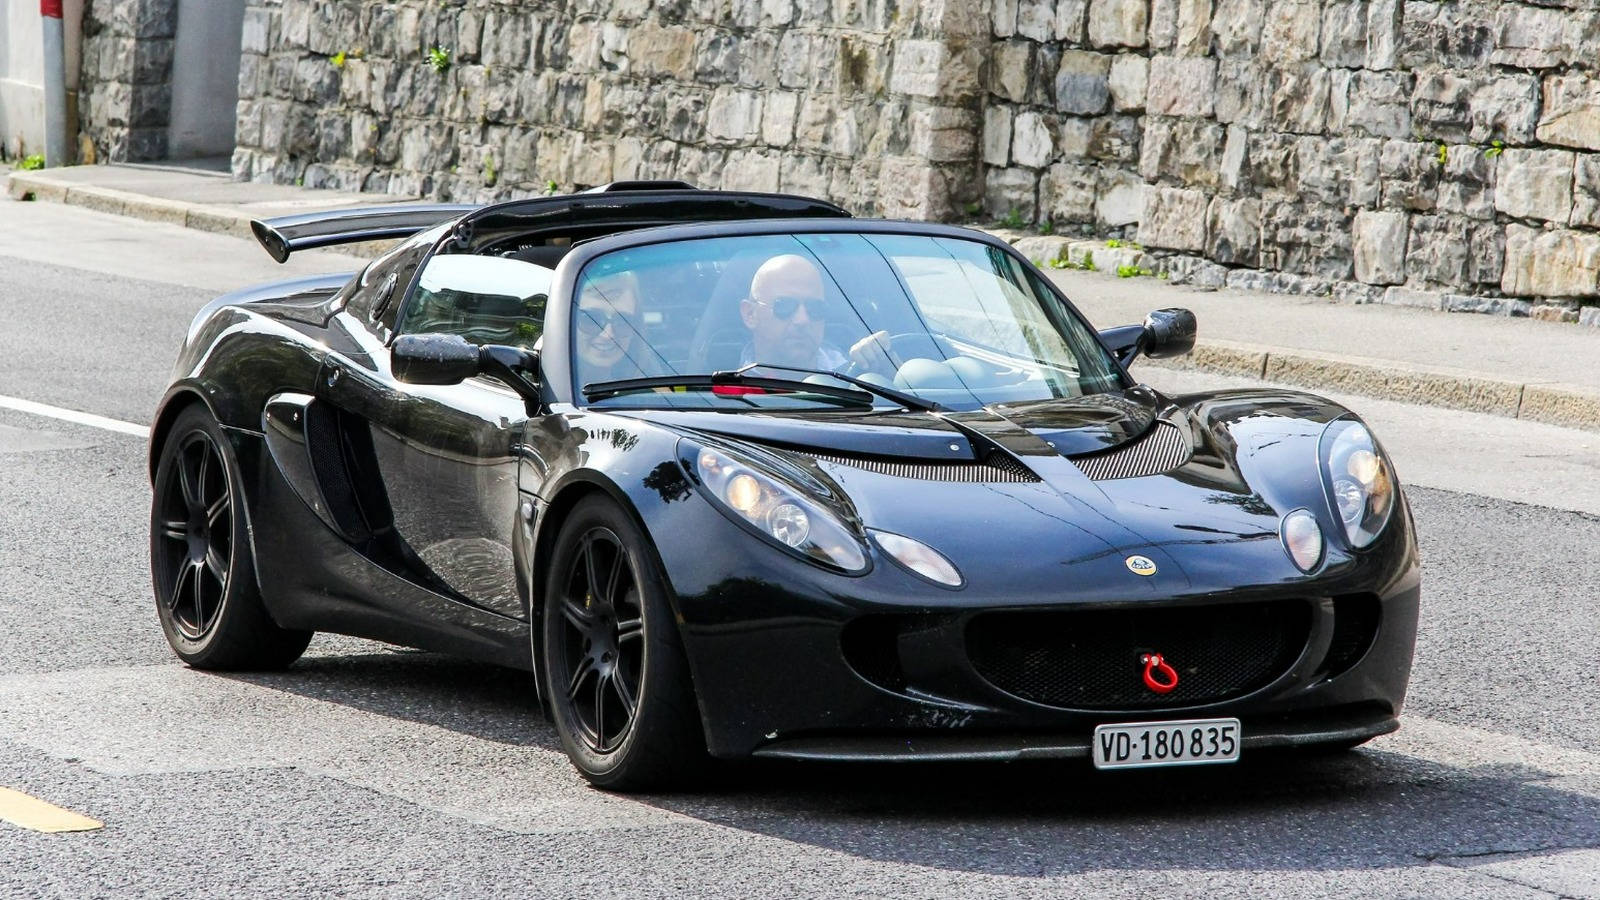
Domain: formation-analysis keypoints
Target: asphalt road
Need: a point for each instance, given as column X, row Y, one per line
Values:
column 368, row 770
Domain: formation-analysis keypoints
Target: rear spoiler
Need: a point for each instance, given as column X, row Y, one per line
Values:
column 326, row 228
column 284, row 235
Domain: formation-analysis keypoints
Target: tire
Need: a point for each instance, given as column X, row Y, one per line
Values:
column 603, row 648
column 201, row 565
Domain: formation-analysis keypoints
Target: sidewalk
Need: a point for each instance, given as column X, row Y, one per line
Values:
column 205, row 201
column 1540, row 371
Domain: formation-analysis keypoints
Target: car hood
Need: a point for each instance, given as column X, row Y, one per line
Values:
column 1252, row 456
column 1067, row 426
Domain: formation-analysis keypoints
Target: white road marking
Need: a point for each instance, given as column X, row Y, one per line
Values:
column 73, row 416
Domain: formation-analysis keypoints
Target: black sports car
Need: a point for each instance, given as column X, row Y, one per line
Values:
column 738, row 475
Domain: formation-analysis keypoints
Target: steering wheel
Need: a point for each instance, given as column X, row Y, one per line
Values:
column 908, row 345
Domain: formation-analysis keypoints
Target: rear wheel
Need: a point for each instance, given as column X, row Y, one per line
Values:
column 200, row 560
column 613, row 667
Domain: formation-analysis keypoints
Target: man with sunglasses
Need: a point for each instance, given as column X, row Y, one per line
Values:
column 787, row 313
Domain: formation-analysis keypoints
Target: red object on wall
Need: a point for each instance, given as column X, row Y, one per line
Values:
column 50, row 9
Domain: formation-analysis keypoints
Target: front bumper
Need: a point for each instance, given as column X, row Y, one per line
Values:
column 778, row 673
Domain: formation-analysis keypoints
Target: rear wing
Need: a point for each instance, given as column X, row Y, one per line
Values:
column 620, row 204
column 284, row 235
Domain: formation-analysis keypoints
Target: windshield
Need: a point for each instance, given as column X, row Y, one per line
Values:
column 953, row 321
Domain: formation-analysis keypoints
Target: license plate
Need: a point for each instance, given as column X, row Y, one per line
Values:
column 1139, row 745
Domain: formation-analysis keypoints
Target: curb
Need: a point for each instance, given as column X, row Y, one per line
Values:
column 1544, row 402
column 200, row 217
column 1548, row 403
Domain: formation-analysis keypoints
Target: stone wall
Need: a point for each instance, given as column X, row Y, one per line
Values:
column 870, row 102
column 1415, row 151
column 126, row 95
column 1434, row 152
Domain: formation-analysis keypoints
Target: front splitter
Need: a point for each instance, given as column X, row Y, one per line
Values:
column 1018, row 747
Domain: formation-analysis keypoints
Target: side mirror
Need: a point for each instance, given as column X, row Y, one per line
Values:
column 1165, row 333
column 1168, row 333
column 452, row 359
column 434, row 358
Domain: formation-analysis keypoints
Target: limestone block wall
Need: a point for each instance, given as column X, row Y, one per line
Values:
column 1440, row 153
column 125, row 100
column 1435, row 152
column 870, row 102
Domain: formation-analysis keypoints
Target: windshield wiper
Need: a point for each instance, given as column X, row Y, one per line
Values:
column 909, row 401
column 742, row 378
column 602, row 390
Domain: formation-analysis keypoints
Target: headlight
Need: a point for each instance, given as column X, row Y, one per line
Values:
column 778, row 511
column 1360, row 486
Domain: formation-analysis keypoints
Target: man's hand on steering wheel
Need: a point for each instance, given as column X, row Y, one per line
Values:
column 870, row 354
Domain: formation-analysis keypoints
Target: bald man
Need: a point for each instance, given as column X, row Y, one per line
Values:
column 787, row 312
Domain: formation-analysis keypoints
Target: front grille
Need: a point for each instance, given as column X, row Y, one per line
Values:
column 994, row 469
column 1162, row 449
column 1091, row 659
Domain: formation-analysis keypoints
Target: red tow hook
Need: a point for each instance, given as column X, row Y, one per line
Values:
column 1154, row 665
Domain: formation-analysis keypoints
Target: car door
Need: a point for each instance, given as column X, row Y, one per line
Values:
column 445, row 455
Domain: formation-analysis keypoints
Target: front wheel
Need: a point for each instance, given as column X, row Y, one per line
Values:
column 200, row 560
column 612, row 665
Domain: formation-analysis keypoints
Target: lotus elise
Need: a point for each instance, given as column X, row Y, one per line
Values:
column 738, row 475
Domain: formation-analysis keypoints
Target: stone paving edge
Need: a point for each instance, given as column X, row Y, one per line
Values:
column 219, row 219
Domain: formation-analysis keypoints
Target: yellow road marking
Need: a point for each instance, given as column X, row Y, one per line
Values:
column 31, row 812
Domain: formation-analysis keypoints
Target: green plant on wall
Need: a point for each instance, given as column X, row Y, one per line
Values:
column 1087, row 265
column 337, row 59
column 1012, row 219
column 1444, row 153
column 439, row 59
column 490, row 173
column 1495, row 148
column 30, row 163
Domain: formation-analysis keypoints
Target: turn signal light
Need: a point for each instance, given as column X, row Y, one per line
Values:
column 1302, row 538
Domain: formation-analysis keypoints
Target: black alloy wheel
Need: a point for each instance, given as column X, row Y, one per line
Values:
column 613, row 669
column 195, row 516
column 200, row 561
column 603, row 653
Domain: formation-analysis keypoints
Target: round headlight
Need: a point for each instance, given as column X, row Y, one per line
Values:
column 1302, row 538
column 743, row 492
column 789, row 523
column 1350, row 499
column 1360, row 485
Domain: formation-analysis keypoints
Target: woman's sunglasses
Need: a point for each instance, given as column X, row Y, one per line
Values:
column 595, row 321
